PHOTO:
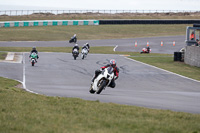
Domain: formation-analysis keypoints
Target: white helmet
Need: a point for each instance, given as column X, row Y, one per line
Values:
column 74, row 35
column 76, row 44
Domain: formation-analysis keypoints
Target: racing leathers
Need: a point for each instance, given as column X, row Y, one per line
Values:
column 116, row 73
column 34, row 51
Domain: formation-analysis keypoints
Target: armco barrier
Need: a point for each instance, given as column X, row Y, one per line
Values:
column 109, row 22
column 48, row 23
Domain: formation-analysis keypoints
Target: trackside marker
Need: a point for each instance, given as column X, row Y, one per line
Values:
column 161, row 43
column 135, row 43
column 115, row 48
column 174, row 43
column 147, row 43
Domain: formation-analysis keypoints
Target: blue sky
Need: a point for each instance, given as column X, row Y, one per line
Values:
column 101, row 4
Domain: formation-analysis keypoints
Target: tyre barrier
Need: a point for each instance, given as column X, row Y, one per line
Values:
column 48, row 23
column 110, row 22
column 178, row 56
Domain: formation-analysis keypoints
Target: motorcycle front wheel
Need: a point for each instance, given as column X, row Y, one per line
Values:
column 101, row 86
column 91, row 90
column 82, row 56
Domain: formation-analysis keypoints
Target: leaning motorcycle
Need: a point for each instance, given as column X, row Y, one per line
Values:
column 33, row 58
column 102, row 80
column 84, row 53
column 73, row 39
column 145, row 50
column 75, row 53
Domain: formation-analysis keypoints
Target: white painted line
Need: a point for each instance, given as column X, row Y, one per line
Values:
column 24, row 76
column 10, row 56
column 163, row 70
column 115, row 48
column 24, row 73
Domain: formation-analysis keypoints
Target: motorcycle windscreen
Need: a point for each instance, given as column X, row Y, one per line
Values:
column 33, row 55
column 110, row 70
column 75, row 51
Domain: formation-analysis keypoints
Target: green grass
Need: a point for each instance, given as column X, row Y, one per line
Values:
column 56, row 33
column 23, row 112
column 77, row 16
column 3, row 55
column 102, row 50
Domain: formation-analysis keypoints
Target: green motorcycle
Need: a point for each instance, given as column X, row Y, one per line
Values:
column 33, row 57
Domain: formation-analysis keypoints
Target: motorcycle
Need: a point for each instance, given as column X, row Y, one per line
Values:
column 84, row 53
column 33, row 58
column 102, row 80
column 145, row 50
column 75, row 53
column 73, row 39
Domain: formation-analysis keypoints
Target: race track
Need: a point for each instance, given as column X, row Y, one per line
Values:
column 57, row 74
column 123, row 44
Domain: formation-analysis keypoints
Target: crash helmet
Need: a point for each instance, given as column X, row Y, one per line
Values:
column 87, row 43
column 84, row 44
column 74, row 35
column 34, row 48
column 113, row 63
column 76, row 44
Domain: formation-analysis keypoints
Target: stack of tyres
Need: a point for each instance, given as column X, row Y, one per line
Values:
column 177, row 56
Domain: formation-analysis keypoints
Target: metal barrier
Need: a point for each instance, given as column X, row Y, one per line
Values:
column 48, row 23
column 104, row 22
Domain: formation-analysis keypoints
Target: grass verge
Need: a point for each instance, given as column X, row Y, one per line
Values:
column 25, row 112
column 85, row 16
column 55, row 33
column 3, row 55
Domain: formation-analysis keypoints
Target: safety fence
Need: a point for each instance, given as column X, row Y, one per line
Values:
column 48, row 23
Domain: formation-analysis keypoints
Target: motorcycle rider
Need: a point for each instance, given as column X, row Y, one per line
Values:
column 116, row 72
column 34, row 51
column 75, row 47
column 74, row 37
column 88, row 46
column 148, row 49
column 85, row 46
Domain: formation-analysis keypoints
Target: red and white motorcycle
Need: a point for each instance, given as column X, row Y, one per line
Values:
column 145, row 50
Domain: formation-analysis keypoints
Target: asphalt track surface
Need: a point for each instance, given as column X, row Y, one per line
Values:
column 123, row 44
column 57, row 74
